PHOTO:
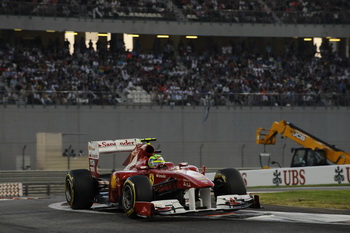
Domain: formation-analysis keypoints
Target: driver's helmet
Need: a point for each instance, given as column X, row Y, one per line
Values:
column 155, row 161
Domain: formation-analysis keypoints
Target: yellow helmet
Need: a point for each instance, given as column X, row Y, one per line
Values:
column 155, row 161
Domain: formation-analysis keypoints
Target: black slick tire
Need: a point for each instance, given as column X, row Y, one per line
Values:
column 229, row 181
column 79, row 189
column 136, row 188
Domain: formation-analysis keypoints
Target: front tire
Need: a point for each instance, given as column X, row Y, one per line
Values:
column 136, row 188
column 228, row 181
column 79, row 189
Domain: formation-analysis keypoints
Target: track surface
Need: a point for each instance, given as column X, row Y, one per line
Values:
column 52, row 215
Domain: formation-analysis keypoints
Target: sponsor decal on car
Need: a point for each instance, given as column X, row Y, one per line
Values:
column 93, row 156
column 106, row 144
column 114, row 182
column 126, row 143
column 151, row 178
column 205, row 181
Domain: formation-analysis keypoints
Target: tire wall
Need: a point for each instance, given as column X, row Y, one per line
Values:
column 225, row 139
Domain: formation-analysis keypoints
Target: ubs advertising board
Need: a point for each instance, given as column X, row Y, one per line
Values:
column 332, row 174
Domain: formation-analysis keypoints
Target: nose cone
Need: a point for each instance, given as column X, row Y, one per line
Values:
column 195, row 179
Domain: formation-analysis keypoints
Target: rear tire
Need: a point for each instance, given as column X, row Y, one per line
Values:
column 136, row 188
column 79, row 189
column 229, row 181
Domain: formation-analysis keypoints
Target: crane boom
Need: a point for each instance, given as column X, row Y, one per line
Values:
column 303, row 138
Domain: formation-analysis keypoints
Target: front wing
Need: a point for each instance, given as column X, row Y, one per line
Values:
column 224, row 203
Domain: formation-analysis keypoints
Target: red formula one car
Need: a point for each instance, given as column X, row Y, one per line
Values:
column 142, row 191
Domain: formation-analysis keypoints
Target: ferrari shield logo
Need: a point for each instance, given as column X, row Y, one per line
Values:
column 151, row 178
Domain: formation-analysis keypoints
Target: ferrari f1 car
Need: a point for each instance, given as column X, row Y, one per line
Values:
column 142, row 191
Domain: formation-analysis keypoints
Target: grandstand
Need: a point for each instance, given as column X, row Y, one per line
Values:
column 266, row 70
column 231, row 53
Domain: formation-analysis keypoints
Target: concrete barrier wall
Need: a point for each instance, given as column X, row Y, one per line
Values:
column 173, row 27
column 225, row 139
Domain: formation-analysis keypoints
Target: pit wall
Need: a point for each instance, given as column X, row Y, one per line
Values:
column 225, row 139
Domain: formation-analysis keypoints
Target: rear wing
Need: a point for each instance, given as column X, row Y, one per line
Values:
column 96, row 148
column 111, row 146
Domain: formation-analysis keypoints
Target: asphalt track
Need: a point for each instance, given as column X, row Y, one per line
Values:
column 51, row 214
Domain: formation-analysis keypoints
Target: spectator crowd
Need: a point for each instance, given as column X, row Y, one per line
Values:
column 89, row 8
column 233, row 11
column 311, row 11
column 170, row 74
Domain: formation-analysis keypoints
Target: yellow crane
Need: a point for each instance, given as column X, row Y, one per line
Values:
column 314, row 151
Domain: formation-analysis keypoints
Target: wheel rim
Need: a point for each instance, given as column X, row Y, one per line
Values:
column 68, row 191
column 128, row 197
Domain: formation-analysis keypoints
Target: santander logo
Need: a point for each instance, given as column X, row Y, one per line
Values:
column 106, row 144
column 126, row 143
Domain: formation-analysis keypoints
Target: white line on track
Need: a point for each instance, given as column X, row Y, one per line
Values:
column 274, row 216
column 19, row 198
column 249, row 215
column 64, row 206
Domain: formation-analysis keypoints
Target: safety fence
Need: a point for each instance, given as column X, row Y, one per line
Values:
column 31, row 183
column 31, row 189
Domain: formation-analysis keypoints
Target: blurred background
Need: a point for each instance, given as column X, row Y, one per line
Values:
column 200, row 76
